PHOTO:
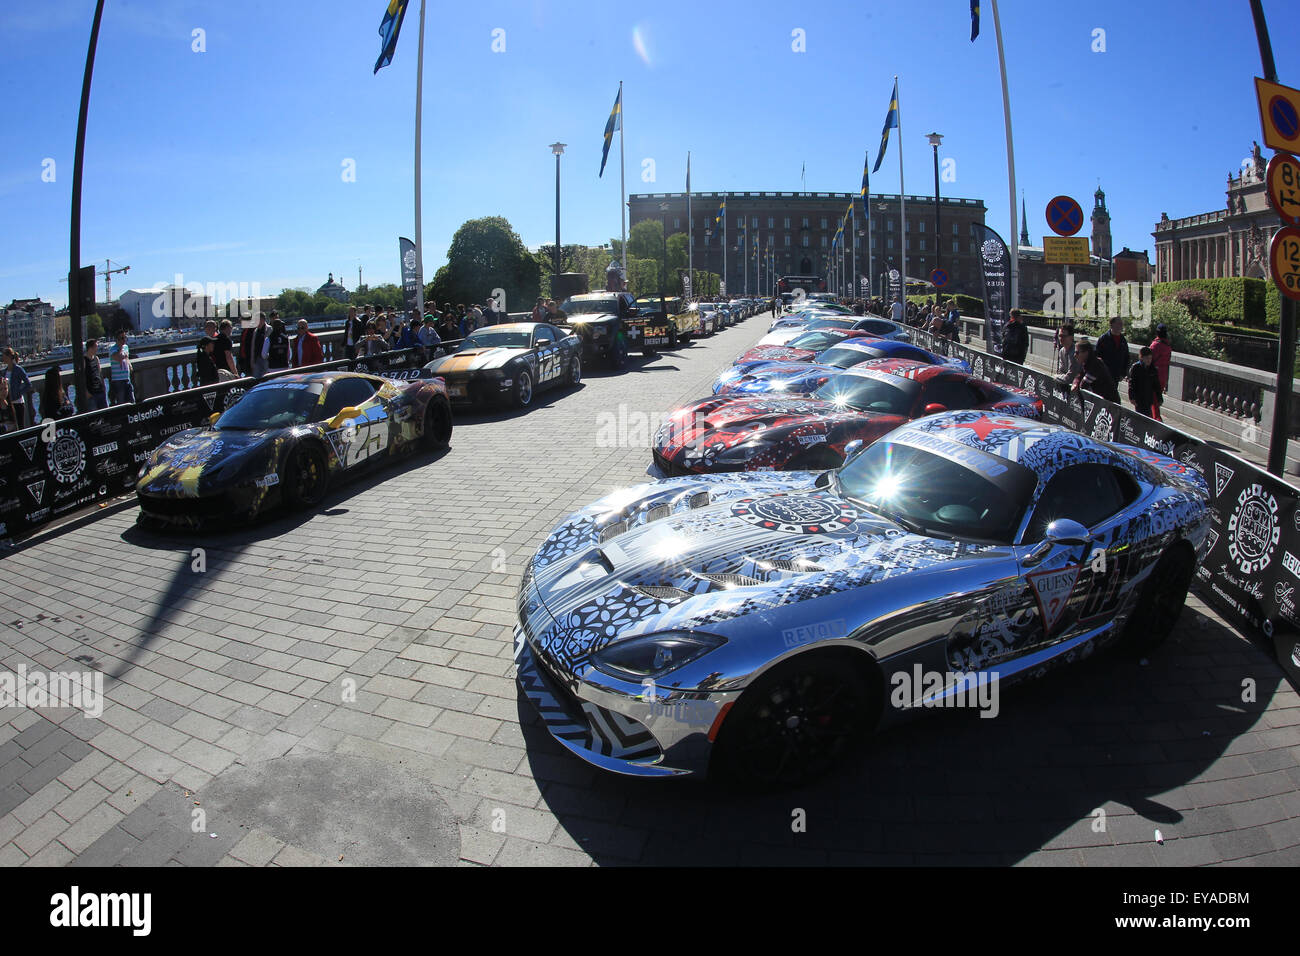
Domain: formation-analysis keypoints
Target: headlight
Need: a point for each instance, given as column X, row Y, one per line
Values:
column 654, row 654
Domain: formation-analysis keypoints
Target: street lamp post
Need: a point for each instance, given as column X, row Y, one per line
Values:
column 558, row 150
column 663, row 273
column 935, row 139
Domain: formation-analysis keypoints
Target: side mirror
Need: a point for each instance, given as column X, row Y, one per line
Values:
column 934, row 408
column 541, row 342
column 350, row 412
column 212, row 419
column 1068, row 532
column 852, row 448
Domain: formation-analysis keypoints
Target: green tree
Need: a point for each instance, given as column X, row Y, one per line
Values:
column 487, row 254
column 1185, row 333
column 646, row 241
column 94, row 327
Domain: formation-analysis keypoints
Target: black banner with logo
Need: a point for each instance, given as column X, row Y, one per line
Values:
column 395, row 363
column 410, row 274
column 995, row 274
column 58, row 466
column 1251, row 569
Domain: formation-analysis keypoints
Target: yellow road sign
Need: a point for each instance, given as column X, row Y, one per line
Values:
column 1065, row 251
column 1284, row 260
column 1279, row 115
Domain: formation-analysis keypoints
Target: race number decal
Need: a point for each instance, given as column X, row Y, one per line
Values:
column 1052, row 590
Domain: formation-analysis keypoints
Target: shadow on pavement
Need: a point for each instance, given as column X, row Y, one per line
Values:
column 953, row 788
column 224, row 546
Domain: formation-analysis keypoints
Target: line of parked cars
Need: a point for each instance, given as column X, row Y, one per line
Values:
column 509, row 364
column 852, row 530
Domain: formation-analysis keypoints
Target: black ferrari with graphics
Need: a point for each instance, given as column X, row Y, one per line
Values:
column 285, row 442
column 508, row 364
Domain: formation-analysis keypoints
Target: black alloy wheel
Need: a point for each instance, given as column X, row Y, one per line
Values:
column 794, row 724
column 307, row 476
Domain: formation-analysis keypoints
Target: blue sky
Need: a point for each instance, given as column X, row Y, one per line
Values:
column 226, row 165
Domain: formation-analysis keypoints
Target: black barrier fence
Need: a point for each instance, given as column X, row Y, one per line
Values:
column 61, row 465
column 1251, row 570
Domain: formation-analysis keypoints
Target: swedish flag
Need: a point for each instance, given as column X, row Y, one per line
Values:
column 388, row 30
column 891, row 122
column 615, row 122
column 722, row 213
column 974, row 19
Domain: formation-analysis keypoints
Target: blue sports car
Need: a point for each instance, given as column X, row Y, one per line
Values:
column 762, row 625
column 802, row 378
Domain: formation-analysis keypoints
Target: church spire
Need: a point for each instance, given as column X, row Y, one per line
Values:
column 1024, row 221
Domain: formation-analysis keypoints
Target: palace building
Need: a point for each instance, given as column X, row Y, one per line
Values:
column 799, row 227
column 1232, row 241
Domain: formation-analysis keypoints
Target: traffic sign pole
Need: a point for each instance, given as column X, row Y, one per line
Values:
column 1286, row 326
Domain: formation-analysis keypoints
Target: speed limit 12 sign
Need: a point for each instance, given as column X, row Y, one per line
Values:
column 1284, row 261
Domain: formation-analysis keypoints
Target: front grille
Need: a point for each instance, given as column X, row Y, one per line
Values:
column 670, row 468
column 559, row 689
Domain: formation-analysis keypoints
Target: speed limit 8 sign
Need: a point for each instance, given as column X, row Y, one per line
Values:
column 1284, row 260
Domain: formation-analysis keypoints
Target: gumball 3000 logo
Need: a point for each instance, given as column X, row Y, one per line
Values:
column 1103, row 426
column 796, row 514
column 1253, row 530
column 66, row 456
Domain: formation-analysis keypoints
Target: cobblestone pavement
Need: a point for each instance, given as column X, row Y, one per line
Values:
column 226, row 737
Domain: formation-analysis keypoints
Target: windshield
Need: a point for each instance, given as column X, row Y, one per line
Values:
column 844, row 357
column 954, row 491
column 816, row 341
column 491, row 338
column 608, row 306
column 873, row 392
column 273, row 405
column 829, row 324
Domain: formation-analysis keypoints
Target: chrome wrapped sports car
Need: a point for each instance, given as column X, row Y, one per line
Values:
column 741, row 433
column 510, row 363
column 285, row 441
column 761, row 625
column 880, row 328
column 799, row 377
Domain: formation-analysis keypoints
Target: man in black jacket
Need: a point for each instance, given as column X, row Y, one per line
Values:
column 1113, row 350
column 1093, row 375
column 1015, row 339
column 1144, row 384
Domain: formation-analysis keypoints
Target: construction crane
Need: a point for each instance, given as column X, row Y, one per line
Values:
column 107, row 273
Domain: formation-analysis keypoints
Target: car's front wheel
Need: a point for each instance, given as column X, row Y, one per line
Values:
column 306, row 477
column 523, row 389
column 437, row 425
column 1161, row 600
column 794, row 723
column 575, row 372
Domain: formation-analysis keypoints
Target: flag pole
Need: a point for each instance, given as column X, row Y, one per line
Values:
column 690, row 229
column 1011, row 160
column 866, row 209
column 419, row 238
column 902, row 199
column 853, row 279
column 724, row 242
column 622, row 179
